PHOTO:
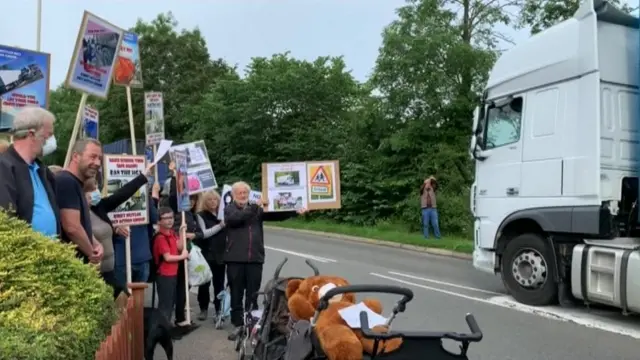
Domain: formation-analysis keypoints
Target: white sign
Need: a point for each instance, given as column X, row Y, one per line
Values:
column 201, row 177
column 118, row 171
column 153, row 117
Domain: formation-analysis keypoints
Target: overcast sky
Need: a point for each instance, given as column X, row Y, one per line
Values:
column 235, row 30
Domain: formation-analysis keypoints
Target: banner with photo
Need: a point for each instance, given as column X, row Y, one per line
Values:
column 24, row 81
column 94, row 56
column 128, row 67
column 118, row 171
column 313, row 185
column 180, row 159
column 201, row 177
column 90, row 123
column 226, row 197
column 153, row 117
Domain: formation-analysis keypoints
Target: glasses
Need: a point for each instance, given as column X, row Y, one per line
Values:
column 166, row 218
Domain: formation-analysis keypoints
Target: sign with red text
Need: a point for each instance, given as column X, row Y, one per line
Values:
column 118, row 171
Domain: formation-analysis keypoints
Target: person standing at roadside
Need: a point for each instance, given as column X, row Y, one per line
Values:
column 75, row 215
column 27, row 187
column 429, row 207
column 212, row 245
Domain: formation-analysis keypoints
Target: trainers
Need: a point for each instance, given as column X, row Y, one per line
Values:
column 235, row 333
column 203, row 315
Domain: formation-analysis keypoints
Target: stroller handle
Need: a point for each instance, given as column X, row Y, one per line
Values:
column 313, row 267
column 474, row 336
column 276, row 274
column 407, row 294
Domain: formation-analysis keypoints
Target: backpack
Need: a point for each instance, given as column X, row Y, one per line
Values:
column 153, row 266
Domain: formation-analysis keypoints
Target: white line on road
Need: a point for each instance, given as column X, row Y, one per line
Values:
column 563, row 315
column 444, row 283
column 303, row 255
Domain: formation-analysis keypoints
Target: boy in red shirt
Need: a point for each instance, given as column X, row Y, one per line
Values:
column 168, row 251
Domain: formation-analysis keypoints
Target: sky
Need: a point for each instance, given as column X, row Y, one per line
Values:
column 235, row 30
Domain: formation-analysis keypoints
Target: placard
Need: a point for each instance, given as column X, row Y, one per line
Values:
column 313, row 185
column 90, row 123
column 94, row 56
column 128, row 68
column 180, row 159
column 153, row 117
column 24, row 81
column 118, row 171
column 201, row 177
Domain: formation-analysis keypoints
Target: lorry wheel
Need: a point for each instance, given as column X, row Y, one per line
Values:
column 528, row 271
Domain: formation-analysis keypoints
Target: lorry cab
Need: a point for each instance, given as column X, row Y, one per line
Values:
column 556, row 145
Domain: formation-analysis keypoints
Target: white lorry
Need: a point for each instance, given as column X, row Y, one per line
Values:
column 556, row 142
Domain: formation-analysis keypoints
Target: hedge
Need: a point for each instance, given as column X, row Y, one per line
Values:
column 52, row 306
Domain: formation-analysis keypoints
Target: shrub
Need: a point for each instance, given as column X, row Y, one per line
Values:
column 52, row 306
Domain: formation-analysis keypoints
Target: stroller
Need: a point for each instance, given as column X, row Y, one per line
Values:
column 265, row 334
column 303, row 343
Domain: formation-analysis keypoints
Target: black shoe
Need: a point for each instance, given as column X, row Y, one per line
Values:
column 235, row 333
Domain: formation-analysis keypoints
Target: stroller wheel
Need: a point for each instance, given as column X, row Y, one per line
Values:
column 241, row 355
column 239, row 340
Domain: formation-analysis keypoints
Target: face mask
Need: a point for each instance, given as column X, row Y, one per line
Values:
column 49, row 146
column 95, row 197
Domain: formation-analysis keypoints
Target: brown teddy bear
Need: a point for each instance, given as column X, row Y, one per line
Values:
column 338, row 340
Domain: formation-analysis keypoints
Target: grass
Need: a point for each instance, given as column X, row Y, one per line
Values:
column 382, row 232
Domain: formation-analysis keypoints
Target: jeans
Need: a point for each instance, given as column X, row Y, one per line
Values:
column 139, row 273
column 430, row 216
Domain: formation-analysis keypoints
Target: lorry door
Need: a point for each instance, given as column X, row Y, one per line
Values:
column 498, row 176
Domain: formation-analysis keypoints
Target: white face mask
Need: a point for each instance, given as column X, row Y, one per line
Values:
column 49, row 146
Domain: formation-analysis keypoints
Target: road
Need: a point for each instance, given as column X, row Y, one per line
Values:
column 446, row 289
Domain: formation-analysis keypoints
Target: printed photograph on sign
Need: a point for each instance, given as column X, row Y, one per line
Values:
column 128, row 69
column 118, row 171
column 321, row 182
column 24, row 81
column 286, row 186
column 94, row 56
column 201, row 176
column 90, row 123
column 153, row 117
column 179, row 158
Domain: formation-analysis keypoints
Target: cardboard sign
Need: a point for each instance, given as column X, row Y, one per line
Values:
column 118, row 171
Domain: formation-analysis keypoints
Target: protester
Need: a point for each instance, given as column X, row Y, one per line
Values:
column 245, row 252
column 55, row 169
column 102, row 226
column 140, row 245
column 212, row 245
column 168, row 253
column 75, row 214
column 429, row 207
column 27, row 187
column 4, row 145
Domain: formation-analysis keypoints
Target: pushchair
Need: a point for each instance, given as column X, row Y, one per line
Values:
column 304, row 344
column 264, row 336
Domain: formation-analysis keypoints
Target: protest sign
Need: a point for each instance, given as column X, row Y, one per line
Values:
column 97, row 47
column 201, row 177
column 90, row 123
column 312, row 185
column 24, row 81
column 128, row 68
column 180, row 159
column 153, row 117
column 227, row 197
column 118, row 171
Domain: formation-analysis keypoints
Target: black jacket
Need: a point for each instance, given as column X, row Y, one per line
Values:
column 110, row 203
column 213, row 247
column 16, row 190
column 192, row 225
column 245, row 233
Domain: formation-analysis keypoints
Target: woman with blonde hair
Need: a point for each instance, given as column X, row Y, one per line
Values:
column 213, row 246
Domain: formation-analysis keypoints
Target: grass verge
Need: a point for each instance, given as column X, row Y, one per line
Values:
column 380, row 232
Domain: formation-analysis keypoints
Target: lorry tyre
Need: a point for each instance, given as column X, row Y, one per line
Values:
column 528, row 270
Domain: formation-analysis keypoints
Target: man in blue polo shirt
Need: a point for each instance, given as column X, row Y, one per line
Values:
column 27, row 186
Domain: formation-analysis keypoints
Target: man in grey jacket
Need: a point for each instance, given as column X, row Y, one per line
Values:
column 244, row 254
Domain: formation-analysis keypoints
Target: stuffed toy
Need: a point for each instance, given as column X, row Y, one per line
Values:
column 338, row 340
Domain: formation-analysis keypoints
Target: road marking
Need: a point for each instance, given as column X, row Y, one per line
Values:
column 444, row 283
column 563, row 315
column 303, row 255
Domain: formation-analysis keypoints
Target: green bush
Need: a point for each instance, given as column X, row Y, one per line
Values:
column 52, row 306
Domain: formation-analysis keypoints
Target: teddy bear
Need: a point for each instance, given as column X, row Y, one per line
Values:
column 338, row 340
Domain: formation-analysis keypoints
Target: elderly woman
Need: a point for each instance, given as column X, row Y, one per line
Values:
column 212, row 245
column 101, row 224
column 245, row 252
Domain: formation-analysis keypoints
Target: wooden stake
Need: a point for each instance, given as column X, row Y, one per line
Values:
column 76, row 127
column 183, row 235
column 127, row 256
column 155, row 168
column 131, row 129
